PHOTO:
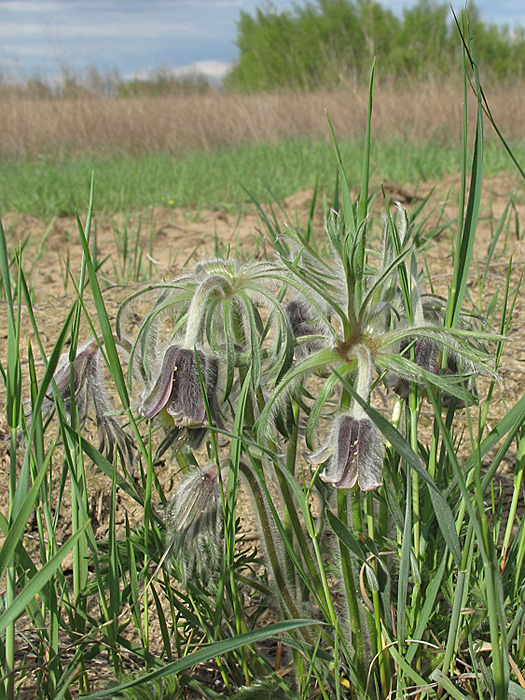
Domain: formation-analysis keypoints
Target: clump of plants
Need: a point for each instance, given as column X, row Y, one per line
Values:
column 384, row 563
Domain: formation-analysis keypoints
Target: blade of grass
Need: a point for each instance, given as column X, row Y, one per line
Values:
column 208, row 652
column 467, row 229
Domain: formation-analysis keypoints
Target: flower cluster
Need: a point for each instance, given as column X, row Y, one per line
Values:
column 261, row 330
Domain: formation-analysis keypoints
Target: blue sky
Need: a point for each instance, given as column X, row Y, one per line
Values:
column 37, row 37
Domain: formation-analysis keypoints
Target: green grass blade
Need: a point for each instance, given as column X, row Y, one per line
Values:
column 208, row 652
column 13, row 372
column 362, row 209
column 348, row 207
column 17, row 526
column 105, row 326
column 39, row 580
column 467, row 232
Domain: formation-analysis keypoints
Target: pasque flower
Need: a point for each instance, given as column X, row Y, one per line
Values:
column 427, row 355
column 354, row 448
column 178, row 389
column 303, row 326
column 82, row 388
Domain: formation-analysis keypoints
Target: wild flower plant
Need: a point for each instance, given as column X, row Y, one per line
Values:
column 259, row 356
column 272, row 375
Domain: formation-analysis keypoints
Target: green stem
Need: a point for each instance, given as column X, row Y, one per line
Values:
column 349, row 579
column 291, row 459
column 459, row 602
column 9, row 665
column 416, row 522
column 384, row 666
column 518, row 479
column 10, row 593
column 291, row 610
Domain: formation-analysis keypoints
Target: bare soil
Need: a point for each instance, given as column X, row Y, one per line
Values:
column 176, row 234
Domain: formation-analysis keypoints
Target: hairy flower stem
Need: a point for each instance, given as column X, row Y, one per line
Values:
column 330, row 612
column 347, row 568
column 291, row 460
column 362, row 624
column 350, row 581
column 291, row 610
column 416, row 515
column 383, row 661
column 301, row 539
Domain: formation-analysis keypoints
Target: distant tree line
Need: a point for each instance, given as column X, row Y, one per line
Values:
column 110, row 84
column 333, row 42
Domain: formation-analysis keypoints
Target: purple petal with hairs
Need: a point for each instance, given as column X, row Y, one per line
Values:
column 186, row 402
column 156, row 400
column 358, row 455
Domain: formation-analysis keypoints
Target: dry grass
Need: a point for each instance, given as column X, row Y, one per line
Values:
column 32, row 127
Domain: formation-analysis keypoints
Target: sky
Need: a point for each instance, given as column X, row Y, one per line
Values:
column 39, row 38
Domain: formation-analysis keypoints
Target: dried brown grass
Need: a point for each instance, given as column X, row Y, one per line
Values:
column 32, row 127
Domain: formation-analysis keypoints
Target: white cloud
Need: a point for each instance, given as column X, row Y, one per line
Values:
column 215, row 70
column 137, row 30
column 212, row 69
column 11, row 29
column 29, row 6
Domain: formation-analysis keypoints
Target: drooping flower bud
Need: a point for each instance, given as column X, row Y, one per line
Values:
column 82, row 388
column 303, row 325
column 193, row 523
column 427, row 355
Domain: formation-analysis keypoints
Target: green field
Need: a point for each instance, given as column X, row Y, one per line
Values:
column 225, row 178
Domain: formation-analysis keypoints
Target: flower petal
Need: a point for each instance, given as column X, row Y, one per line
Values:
column 370, row 456
column 358, row 455
column 186, row 403
column 322, row 454
column 152, row 404
column 341, row 471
